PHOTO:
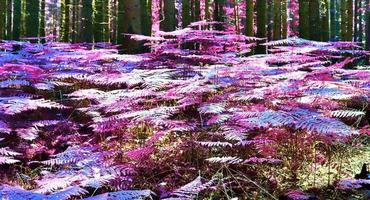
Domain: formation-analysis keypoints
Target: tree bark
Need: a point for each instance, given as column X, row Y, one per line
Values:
column 343, row 20
column 168, row 23
column 284, row 19
column 2, row 19
column 9, row 19
column 277, row 20
column 17, row 15
column 325, row 21
column 349, row 32
column 304, row 19
column 86, row 29
column 314, row 24
column 261, row 7
column 249, row 18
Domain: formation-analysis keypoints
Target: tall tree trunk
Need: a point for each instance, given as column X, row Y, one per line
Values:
column 17, row 15
column 169, row 21
column 9, row 19
column 325, row 21
column 98, row 20
column 206, row 10
column 304, row 19
column 343, row 19
column 185, row 13
column 129, row 22
column 65, row 28
column 333, row 19
column 360, row 23
column 2, row 19
column 32, row 19
column 277, row 20
column 270, row 19
column 261, row 7
column 113, row 15
column 284, row 19
column 42, row 21
column 249, row 18
column 86, row 29
column 367, row 6
column 218, row 12
column 349, row 32
column 315, row 22
column 146, row 17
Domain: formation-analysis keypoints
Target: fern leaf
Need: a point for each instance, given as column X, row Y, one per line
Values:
column 225, row 160
column 124, row 195
column 347, row 113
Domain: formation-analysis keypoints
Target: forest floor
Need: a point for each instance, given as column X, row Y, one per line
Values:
column 209, row 122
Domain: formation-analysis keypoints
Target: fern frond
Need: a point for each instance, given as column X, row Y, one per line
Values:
column 191, row 190
column 67, row 193
column 347, row 113
column 225, row 160
column 124, row 195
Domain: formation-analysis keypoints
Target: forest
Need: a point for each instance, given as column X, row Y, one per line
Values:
column 184, row 99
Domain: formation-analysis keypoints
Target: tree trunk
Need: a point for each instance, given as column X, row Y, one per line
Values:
column 185, row 13
column 315, row 22
column 129, row 22
column 261, row 7
column 17, row 15
column 42, row 21
column 367, row 6
column 349, row 32
column 86, row 29
column 2, row 19
column 218, row 13
column 325, row 21
column 284, row 19
column 146, row 17
column 277, row 20
column 249, row 18
column 360, row 23
column 343, row 20
column 32, row 19
column 98, row 21
column 9, row 19
column 169, row 21
column 333, row 19
column 304, row 25
column 64, row 31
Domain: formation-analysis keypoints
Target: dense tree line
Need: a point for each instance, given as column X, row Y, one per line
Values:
column 109, row 20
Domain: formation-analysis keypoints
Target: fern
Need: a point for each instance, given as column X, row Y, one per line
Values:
column 347, row 113
column 124, row 195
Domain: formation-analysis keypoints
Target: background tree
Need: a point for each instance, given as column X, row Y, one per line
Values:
column 2, row 18
column 349, row 32
column 304, row 18
column 284, row 19
column 86, row 26
column 168, row 23
column 42, row 21
column 32, row 18
column 9, row 19
column 277, row 20
column 249, row 18
column 343, row 19
column 261, row 7
column 325, row 20
column 367, row 6
column 17, row 15
column 315, row 20
column 65, row 28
